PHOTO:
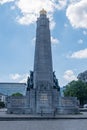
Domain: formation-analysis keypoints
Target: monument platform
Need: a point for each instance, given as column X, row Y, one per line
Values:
column 23, row 117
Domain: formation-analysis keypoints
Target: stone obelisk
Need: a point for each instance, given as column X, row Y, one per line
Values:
column 42, row 86
column 43, row 92
column 43, row 71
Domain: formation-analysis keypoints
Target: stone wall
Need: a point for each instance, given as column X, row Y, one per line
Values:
column 68, row 105
column 16, row 104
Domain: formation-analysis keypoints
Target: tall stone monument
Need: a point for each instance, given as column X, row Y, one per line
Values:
column 43, row 91
column 44, row 83
column 43, row 70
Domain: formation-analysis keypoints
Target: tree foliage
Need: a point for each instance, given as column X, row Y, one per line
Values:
column 2, row 104
column 77, row 89
column 17, row 94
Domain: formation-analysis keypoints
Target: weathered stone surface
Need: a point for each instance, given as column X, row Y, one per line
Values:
column 43, row 71
column 16, row 104
column 68, row 105
column 45, row 89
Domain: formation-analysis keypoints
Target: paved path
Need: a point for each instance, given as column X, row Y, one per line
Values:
column 61, row 123
column 44, row 125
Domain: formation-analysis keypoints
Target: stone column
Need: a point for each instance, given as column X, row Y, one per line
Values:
column 43, row 71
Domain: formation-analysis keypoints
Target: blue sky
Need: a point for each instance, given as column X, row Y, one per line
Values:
column 68, row 24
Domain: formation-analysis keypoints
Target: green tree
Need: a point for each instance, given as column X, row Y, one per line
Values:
column 17, row 94
column 2, row 104
column 77, row 89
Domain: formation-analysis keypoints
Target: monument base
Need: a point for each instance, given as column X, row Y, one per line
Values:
column 43, row 105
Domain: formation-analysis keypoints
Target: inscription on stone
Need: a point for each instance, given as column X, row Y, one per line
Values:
column 43, row 98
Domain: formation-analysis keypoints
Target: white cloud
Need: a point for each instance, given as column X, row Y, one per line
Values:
column 77, row 14
column 52, row 24
column 82, row 54
column 54, row 40
column 69, row 75
column 61, row 4
column 26, row 19
column 15, row 76
column 24, row 79
column 19, row 77
column 5, row 1
column 30, row 9
column 74, row 1
column 80, row 41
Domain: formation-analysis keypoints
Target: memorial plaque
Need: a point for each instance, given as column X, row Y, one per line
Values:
column 43, row 98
